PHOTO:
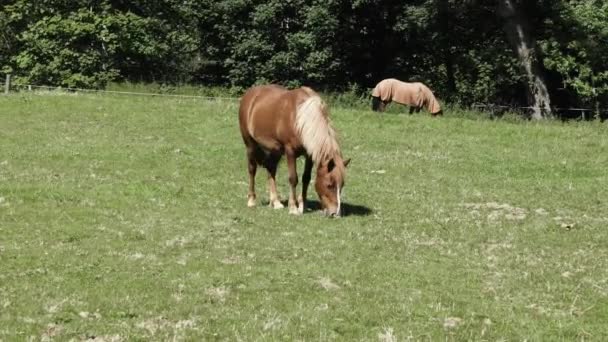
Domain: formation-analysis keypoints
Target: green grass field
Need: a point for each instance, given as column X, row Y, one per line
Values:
column 124, row 218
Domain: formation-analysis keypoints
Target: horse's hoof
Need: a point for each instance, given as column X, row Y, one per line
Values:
column 277, row 205
column 251, row 202
column 301, row 208
column 295, row 211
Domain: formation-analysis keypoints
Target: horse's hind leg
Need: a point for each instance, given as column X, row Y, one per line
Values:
column 252, row 166
column 271, row 165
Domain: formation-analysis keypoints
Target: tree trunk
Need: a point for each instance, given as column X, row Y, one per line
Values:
column 518, row 34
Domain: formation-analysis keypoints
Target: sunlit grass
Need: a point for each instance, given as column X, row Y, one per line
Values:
column 125, row 218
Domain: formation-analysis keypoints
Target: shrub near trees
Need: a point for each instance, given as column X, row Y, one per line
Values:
column 467, row 51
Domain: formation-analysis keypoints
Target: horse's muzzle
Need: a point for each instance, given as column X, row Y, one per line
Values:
column 334, row 214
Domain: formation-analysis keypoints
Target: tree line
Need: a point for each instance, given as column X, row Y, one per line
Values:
column 542, row 53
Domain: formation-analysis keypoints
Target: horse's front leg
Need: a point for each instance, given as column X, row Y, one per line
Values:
column 272, row 162
column 383, row 105
column 293, row 181
column 305, row 182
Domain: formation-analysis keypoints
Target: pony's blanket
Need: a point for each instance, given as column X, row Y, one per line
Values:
column 411, row 94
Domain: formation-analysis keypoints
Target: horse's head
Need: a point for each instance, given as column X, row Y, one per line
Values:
column 330, row 182
column 377, row 104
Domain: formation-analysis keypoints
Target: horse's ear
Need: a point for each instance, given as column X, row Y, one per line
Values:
column 331, row 165
column 346, row 162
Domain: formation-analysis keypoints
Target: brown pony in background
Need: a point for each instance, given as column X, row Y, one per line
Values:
column 274, row 122
column 416, row 95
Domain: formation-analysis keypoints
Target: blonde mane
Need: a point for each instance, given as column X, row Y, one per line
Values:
column 315, row 130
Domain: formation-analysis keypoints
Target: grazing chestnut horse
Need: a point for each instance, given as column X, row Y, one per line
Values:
column 274, row 122
column 416, row 95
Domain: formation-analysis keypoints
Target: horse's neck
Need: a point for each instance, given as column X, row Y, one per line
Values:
column 314, row 129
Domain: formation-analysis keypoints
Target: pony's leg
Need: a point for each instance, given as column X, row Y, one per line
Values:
column 305, row 182
column 252, row 168
column 382, row 106
column 271, row 165
column 293, row 182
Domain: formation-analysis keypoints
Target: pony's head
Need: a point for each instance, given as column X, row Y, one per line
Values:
column 329, row 184
column 377, row 104
column 319, row 139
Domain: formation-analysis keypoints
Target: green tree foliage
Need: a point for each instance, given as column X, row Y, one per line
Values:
column 575, row 47
column 82, row 45
column 72, row 50
column 457, row 47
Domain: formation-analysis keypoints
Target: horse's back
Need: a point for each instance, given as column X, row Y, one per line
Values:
column 267, row 115
column 392, row 89
column 406, row 93
column 252, row 100
column 255, row 94
column 415, row 94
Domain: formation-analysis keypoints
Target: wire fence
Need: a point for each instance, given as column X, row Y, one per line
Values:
column 561, row 112
column 493, row 109
column 31, row 87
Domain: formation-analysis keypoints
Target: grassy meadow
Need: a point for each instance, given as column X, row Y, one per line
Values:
column 124, row 218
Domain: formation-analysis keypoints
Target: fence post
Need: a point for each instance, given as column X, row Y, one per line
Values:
column 7, row 84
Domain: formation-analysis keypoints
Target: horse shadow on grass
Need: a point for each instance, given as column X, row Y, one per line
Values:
column 348, row 209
